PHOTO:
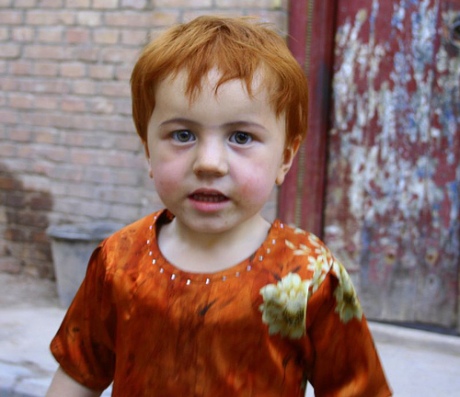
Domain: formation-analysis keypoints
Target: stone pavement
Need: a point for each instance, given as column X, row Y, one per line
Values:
column 417, row 363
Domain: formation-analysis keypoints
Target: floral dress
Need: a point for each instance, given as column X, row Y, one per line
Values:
column 286, row 315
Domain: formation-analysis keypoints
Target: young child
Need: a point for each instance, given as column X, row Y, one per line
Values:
column 206, row 298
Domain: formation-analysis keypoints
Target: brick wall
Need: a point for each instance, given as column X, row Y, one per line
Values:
column 68, row 150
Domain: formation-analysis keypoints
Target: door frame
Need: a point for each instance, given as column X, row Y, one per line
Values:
column 302, row 196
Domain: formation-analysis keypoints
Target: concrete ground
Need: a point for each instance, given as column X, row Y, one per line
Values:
column 417, row 363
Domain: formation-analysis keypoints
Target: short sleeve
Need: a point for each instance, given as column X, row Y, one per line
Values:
column 84, row 343
column 345, row 360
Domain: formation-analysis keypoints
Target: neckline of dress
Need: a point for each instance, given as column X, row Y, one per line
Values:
column 237, row 271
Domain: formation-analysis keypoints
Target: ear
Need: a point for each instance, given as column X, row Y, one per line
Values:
column 288, row 157
column 147, row 155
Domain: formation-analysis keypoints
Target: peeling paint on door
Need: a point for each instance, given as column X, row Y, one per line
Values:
column 394, row 157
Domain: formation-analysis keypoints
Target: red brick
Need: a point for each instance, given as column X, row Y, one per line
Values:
column 187, row 4
column 77, row 35
column 10, row 265
column 40, row 236
column 73, row 105
column 89, row 18
column 137, row 4
column 50, row 34
column 84, row 156
column 15, row 234
column 118, row 195
column 40, row 201
column 9, row 183
column 44, row 86
column 188, row 15
column 123, row 107
column 276, row 17
column 86, row 54
column 86, row 139
column 47, row 102
column 125, row 159
column 106, row 36
column 20, row 134
column 53, row 153
column 77, row 3
column 45, row 68
column 134, row 37
column 105, row 4
column 31, row 218
column 84, row 87
column 24, row 3
column 67, row 173
column 9, row 17
column 142, row 19
column 21, row 68
column 48, row 52
column 50, row 17
column 4, row 34
column 21, row 101
column 84, row 192
column 9, row 84
column 129, row 142
column 102, row 105
column 23, row 34
column 115, row 89
column 46, row 136
column 45, row 119
column 15, row 199
column 25, row 152
column 120, row 55
column 122, row 212
column 123, row 72
column 101, row 72
column 52, row 4
column 8, row 116
column 113, row 124
column 8, row 50
column 95, row 209
column 240, row 4
column 72, row 69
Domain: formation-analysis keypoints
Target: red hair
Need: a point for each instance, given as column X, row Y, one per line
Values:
column 237, row 48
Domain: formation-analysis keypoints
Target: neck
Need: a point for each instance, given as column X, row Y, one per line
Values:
column 211, row 252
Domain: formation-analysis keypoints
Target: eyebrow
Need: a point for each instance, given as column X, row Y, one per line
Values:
column 232, row 124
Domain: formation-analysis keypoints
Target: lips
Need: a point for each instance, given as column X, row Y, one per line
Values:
column 208, row 196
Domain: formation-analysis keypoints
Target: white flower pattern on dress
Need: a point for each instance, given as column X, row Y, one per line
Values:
column 285, row 304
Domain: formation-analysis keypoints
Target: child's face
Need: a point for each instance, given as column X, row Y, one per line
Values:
column 216, row 159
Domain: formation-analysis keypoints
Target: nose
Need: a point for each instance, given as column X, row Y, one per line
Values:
column 211, row 159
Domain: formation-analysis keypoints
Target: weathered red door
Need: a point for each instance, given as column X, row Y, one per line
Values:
column 393, row 194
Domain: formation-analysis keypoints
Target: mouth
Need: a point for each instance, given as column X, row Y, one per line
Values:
column 208, row 196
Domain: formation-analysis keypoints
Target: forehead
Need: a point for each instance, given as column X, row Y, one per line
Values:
column 192, row 86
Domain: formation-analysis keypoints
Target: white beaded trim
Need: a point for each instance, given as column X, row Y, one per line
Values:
column 207, row 280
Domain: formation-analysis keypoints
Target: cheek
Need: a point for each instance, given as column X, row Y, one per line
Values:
column 165, row 178
column 257, row 186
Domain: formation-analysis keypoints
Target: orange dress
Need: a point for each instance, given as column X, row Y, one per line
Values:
column 262, row 328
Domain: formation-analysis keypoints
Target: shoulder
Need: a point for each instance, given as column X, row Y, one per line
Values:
column 314, row 260
column 305, row 253
column 127, row 246
column 136, row 232
column 310, row 273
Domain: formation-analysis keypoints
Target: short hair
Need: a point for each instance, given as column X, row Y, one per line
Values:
column 237, row 48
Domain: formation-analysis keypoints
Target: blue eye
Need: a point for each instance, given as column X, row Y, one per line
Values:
column 183, row 136
column 241, row 138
